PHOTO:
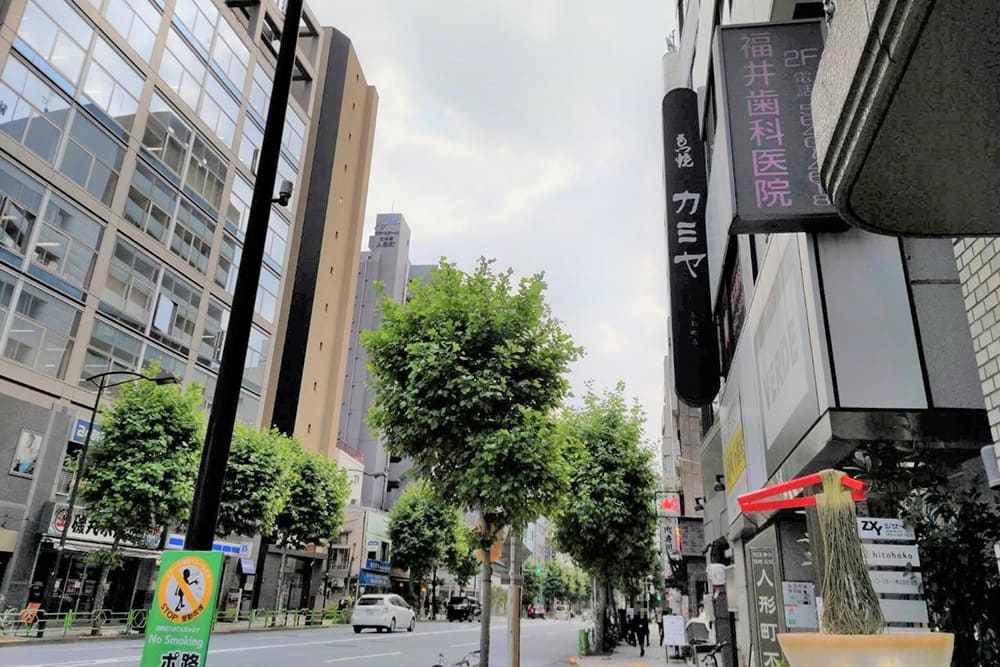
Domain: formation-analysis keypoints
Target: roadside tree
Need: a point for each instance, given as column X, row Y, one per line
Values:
column 466, row 375
column 609, row 520
column 421, row 529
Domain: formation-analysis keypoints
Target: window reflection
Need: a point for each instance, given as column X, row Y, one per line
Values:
column 42, row 332
column 67, row 242
column 31, row 111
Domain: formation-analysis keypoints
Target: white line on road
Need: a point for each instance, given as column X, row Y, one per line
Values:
column 461, row 645
column 361, row 657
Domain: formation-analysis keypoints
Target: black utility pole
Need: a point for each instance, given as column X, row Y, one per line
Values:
column 215, row 455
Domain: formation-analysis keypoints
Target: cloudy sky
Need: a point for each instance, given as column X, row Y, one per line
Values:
column 528, row 131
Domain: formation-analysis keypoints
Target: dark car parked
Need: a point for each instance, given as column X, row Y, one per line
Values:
column 463, row 608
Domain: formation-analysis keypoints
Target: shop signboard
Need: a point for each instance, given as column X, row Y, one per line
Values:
column 885, row 530
column 891, row 555
column 81, row 528
column 799, row 598
column 180, row 621
column 695, row 338
column 767, row 72
column 668, row 504
column 766, row 602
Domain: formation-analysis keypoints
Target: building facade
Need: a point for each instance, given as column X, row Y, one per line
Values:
column 129, row 135
column 831, row 339
column 387, row 262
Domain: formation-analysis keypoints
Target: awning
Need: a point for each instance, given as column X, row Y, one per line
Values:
column 82, row 546
column 247, row 566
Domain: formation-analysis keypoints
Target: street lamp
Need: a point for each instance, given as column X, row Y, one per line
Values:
column 101, row 380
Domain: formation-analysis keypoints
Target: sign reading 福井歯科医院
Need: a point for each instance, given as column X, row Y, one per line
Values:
column 180, row 621
column 695, row 339
column 767, row 73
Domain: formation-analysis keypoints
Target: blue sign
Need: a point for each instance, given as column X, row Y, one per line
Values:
column 80, row 431
column 175, row 541
column 377, row 565
column 372, row 579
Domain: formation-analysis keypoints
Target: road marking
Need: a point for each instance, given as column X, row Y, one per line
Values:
column 361, row 657
column 461, row 645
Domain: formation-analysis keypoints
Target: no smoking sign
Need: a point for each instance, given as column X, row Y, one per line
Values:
column 185, row 589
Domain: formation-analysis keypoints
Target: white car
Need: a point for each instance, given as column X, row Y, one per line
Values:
column 383, row 612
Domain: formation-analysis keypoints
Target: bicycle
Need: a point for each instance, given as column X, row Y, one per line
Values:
column 701, row 659
column 464, row 662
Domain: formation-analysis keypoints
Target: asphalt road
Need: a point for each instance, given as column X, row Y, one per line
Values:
column 544, row 643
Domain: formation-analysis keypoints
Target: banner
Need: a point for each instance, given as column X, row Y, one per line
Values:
column 695, row 341
column 180, row 621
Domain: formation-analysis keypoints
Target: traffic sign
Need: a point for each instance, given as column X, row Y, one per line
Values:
column 180, row 621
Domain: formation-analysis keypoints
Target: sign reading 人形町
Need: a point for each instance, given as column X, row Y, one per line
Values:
column 695, row 343
column 767, row 73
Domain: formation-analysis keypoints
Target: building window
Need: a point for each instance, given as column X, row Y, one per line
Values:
column 206, row 173
column 20, row 200
column 247, row 408
column 167, row 136
column 31, row 111
column 42, row 332
column 131, row 285
column 254, row 371
column 238, row 210
column 151, row 203
column 219, row 110
column 213, row 334
column 267, row 294
column 260, row 92
column 137, row 21
column 228, row 264
column 58, row 34
column 110, row 349
column 230, row 55
column 182, row 69
column 7, row 283
column 277, row 233
column 294, row 135
column 176, row 311
column 67, row 242
column 113, row 84
column 250, row 145
column 168, row 362
column 193, row 236
column 199, row 18
column 92, row 158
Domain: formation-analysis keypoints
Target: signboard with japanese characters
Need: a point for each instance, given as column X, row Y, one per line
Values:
column 765, row 599
column 81, row 528
column 767, row 71
column 668, row 503
column 799, row 598
column 180, row 620
column 695, row 343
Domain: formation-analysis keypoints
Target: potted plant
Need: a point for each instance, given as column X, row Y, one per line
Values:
column 853, row 629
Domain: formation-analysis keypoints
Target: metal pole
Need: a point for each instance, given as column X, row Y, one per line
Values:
column 81, row 468
column 516, row 578
column 215, row 454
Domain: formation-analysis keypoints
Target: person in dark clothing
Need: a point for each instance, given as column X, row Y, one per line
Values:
column 641, row 630
column 659, row 623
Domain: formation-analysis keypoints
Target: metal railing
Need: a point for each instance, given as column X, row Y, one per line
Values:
column 36, row 624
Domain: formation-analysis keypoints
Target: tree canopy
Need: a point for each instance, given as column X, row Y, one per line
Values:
column 315, row 508
column 421, row 528
column 141, row 469
column 460, row 555
column 258, row 481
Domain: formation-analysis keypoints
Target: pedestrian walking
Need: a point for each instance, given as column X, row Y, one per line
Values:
column 659, row 623
column 641, row 630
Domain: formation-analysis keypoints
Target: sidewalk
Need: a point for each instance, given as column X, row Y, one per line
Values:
column 628, row 656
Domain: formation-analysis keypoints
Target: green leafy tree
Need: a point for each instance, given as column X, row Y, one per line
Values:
column 141, row 469
column 315, row 508
column 466, row 374
column 558, row 582
column 258, row 481
column 609, row 520
column 956, row 527
column 460, row 556
column 421, row 528
column 533, row 584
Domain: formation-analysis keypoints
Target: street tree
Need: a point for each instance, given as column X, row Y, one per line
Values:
column 558, row 582
column 258, row 481
column 142, row 465
column 466, row 374
column 421, row 528
column 533, row 585
column 608, row 522
column 460, row 556
column 314, row 511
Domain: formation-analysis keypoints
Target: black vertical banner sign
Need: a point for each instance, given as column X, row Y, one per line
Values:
column 764, row 585
column 695, row 342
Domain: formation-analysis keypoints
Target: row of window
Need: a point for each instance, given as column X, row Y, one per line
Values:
column 39, row 330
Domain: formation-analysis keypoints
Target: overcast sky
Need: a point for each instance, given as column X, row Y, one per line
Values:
column 529, row 131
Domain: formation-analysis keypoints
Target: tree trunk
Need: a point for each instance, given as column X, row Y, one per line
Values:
column 434, row 594
column 279, row 598
column 484, row 627
column 102, row 585
column 600, row 617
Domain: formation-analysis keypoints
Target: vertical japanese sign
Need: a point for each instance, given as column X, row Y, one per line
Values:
column 763, row 572
column 768, row 72
column 180, row 620
column 696, row 347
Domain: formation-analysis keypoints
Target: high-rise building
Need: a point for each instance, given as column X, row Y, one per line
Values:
column 129, row 136
column 387, row 262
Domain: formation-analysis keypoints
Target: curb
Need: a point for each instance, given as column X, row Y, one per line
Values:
column 28, row 641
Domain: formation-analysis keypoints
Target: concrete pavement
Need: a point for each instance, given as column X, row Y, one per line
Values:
column 544, row 644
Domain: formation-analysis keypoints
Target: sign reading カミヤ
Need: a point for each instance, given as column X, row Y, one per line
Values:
column 767, row 71
column 180, row 621
column 695, row 339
